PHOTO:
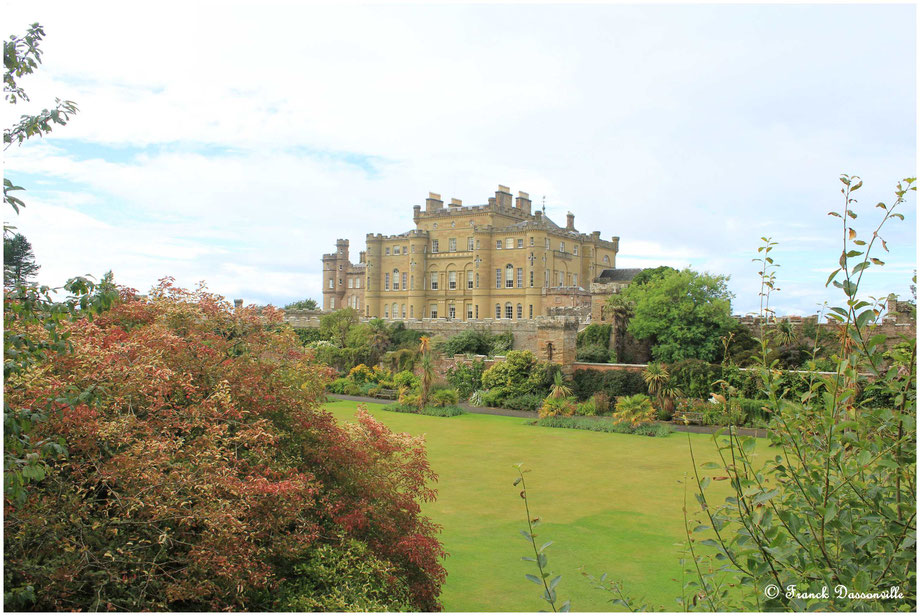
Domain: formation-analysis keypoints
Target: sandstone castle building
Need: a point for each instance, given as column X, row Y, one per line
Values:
column 500, row 261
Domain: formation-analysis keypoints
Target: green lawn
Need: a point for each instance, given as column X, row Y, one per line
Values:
column 610, row 503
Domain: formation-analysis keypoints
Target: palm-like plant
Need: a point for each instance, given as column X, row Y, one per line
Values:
column 559, row 390
column 635, row 409
column 427, row 366
column 785, row 333
column 656, row 376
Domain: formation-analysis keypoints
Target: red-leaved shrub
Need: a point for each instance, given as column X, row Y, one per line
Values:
column 203, row 474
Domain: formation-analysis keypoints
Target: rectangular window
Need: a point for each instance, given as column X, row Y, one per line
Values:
column 477, row 280
column 574, row 280
column 498, row 311
column 520, row 243
column 546, row 279
column 412, row 281
column 434, row 281
column 561, row 246
column 469, row 279
column 520, row 311
column 530, row 312
column 469, row 311
column 469, row 243
column 547, row 243
column 396, row 281
column 434, row 245
column 477, row 244
column 386, row 281
column 575, row 249
column 411, row 311
column 509, row 311
column 357, row 283
column 402, row 310
column 387, row 250
column 451, row 312
column 498, row 279
column 386, row 311
column 434, row 311
column 395, row 250
column 531, row 240
column 477, row 311
column 531, row 278
column 509, row 242
column 351, row 283
column 498, row 244
column 404, row 281
column 331, row 283
column 561, row 279
column 340, row 282
column 509, row 278
column 452, row 245
column 452, row 281
column 520, row 277
column 405, row 250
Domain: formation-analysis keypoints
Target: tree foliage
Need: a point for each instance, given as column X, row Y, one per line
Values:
column 684, row 314
column 831, row 509
column 21, row 57
column 304, row 304
column 203, row 475
column 19, row 266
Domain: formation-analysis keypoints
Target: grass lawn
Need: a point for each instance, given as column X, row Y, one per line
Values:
column 610, row 503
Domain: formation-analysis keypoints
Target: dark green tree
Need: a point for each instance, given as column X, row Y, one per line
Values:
column 304, row 304
column 683, row 314
column 19, row 265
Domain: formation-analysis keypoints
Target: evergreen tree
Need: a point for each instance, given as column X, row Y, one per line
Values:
column 19, row 265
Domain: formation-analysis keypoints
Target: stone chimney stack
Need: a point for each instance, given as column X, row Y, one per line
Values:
column 503, row 196
column 523, row 202
column 570, row 222
column 456, row 203
column 433, row 203
column 539, row 215
column 362, row 256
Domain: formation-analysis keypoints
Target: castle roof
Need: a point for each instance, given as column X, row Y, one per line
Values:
column 619, row 275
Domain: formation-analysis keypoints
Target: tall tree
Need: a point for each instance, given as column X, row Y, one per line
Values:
column 19, row 265
column 684, row 314
column 21, row 57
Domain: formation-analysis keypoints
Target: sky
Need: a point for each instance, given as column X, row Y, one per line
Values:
column 234, row 142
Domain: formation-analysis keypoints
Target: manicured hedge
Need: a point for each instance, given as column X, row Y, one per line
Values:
column 613, row 382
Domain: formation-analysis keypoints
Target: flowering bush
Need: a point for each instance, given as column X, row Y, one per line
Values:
column 203, row 475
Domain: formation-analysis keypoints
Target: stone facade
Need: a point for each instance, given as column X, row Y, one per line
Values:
column 468, row 263
column 343, row 281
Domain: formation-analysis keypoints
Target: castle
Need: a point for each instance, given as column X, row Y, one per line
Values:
column 500, row 260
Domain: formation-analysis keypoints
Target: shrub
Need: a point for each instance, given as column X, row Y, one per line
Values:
column 306, row 335
column 338, row 386
column 434, row 411
column 586, row 408
column 201, row 440
column 635, row 409
column 601, row 402
column 502, row 343
column 602, row 425
column 494, row 396
column 466, row 378
column 405, row 379
column 593, row 353
column 695, row 377
column 471, row 341
column 615, row 383
column 444, row 397
column 595, row 334
column 557, row 406
column 521, row 373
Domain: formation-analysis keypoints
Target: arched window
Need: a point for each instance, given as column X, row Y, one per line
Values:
column 395, row 314
column 396, row 280
column 509, row 276
column 509, row 311
column 498, row 311
column 520, row 311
